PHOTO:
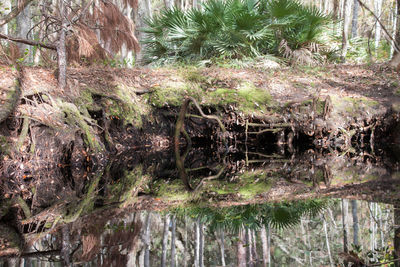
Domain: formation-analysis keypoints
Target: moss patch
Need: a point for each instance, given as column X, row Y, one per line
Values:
column 248, row 185
column 172, row 93
column 172, row 191
column 248, row 98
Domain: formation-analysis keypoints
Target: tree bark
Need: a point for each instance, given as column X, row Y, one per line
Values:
column 396, row 241
column 201, row 253
column 197, row 244
column 23, row 26
column 378, row 28
column 345, row 210
column 61, row 48
column 165, row 241
column 241, row 250
column 173, row 233
column 355, row 221
column 222, row 247
column 265, row 247
column 328, row 247
column 354, row 23
column 147, row 240
column 345, row 29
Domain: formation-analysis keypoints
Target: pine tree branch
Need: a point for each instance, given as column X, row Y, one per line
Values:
column 28, row 42
column 14, row 12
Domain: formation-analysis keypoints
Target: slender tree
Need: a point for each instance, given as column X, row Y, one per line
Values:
column 173, row 234
column 345, row 29
column 354, row 22
column 147, row 240
column 396, row 215
column 355, row 221
column 165, row 241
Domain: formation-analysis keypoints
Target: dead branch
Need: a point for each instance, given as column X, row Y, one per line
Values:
column 28, row 42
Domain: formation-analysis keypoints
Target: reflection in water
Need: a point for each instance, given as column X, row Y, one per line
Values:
column 252, row 208
column 302, row 233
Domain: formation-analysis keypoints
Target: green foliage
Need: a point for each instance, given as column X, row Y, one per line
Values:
column 278, row 215
column 232, row 29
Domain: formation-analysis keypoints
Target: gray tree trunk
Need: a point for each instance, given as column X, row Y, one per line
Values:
column 165, row 241
column 147, row 240
column 23, row 26
column 222, row 247
column 396, row 241
column 197, row 244
column 355, row 221
column 173, row 234
column 378, row 27
column 354, row 22
column 265, row 247
column 241, row 250
column 328, row 247
column 61, row 49
column 201, row 253
column 345, row 210
column 345, row 29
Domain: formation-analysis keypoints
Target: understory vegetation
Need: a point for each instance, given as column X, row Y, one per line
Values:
column 237, row 29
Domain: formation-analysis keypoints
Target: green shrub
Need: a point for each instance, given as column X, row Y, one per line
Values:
column 234, row 29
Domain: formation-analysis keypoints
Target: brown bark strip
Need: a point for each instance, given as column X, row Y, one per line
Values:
column 28, row 42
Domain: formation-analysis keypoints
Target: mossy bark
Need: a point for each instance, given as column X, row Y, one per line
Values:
column 10, row 102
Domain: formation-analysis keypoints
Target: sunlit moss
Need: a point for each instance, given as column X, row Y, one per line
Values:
column 248, row 98
column 172, row 191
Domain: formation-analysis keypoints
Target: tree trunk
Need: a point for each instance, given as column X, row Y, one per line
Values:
column 147, row 240
column 254, row 247
column 249, row 257
column 328, row 247
column 265, row 247
column 23, row 26
column 355, row 221
column 345, row 29
column 165, row 241
column 197, row 245
column 66, row 246
column 185, row 260
column 61, row 49
column 396, row 216
column 173, row 231
column 221, row 243
column 345, row 210
column 201, row 253
column 354, row 23
column 336, row 9
column 378, row 27
column 241, row 250
column 394, row 27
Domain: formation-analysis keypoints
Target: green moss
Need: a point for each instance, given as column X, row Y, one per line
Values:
column 193, row 75
column 172, row 93
column 174, row 190
column 4, row 146
column 248, row 185
column 75, row 119
column 248, row 98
